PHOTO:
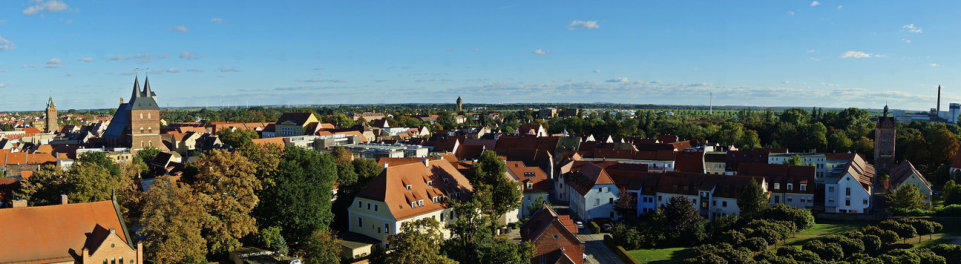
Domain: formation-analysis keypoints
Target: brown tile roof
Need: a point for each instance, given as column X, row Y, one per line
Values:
column 783, row 174
column 505, row 143
column 532, row 174
column 297, row 118
column 469, row 152
column 279, row 141
column 34, row 234
column 590, row 175
column 689, row 161
column 568, row 250
column 904, row 170
column 390, row 187
column 861, row 170
column 23, row 158
column 838, row 156
column 690, row 183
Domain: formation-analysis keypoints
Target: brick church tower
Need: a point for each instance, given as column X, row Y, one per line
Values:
column 136, row 124
column 50, row 121
column 884, row 141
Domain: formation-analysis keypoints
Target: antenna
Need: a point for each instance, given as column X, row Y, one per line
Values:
column 710, row 110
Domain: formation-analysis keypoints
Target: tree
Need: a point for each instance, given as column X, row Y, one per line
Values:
column 418, row 242
column 752, row 200
column 682, row 221
column 495, row 193
column 172, row 223
column 951, row 193
column 795, row 160
column 143, row 156
column 265, row 158
column 237, row 138
column 299, row 203
column 83, row 182
column 270, row 238
column 101, row 159
column 907, row 197
column 321, row 248
column 226, row 185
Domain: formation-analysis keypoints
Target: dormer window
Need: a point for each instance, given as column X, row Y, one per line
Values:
column 409, row 186
column 420, row 202
column 529, row 174
column 413, row 204
column 430, row 183
column 777, row 186
column 804, row 187
column 530, row 185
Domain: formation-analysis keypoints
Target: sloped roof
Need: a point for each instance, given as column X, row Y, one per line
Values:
column 390, row 187
column 861, row 170
column 49, row 232
column 544, row 219
column 591, row 175
column 535, row 175
column 689, row 161
column 297, row 118
column 903, row 171
column 783, row 174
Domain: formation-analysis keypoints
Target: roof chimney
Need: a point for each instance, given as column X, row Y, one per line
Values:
column 63, row 199
column 426, row 162
column 19, row 203
column 385, row 165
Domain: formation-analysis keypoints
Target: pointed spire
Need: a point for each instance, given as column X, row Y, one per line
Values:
column 136, row 88
column 146, row 86
column 50, row 103
column 885, row 110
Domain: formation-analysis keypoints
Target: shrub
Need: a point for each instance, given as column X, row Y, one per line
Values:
column 953, row 210
column 706, row 259
column 872, row 230
column 928, row 257
column 850, row 246
column 755, row 244
column 904, row 231
column 951, row 253
column 801, row 218
column 769, row 235
column 901, row 256
column 889, row 237
column 826, row 251
column 872, row 243
column 733, row 237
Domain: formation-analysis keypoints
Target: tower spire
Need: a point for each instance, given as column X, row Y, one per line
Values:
column 136, row 88
column 146, row 86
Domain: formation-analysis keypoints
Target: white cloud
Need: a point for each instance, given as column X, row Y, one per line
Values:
column 144, row 57
column 811, row 51
column 825, row 84
column 225, row 69
column 173, row 70
column 116, row 58
column 840, row 7
column 475, row 50
column 3, row 85
column 6, row 44
column 318, row 80
column 906, row 40
column 854, row 54
column 51, row 6
column 541, row 52
column 618, row 80
column 786, row 82
column 85, row 59
column 815, row 3
column 583, row 24
column 179, row 28
column 29, row 66
column 450, row 50
column 216, row 20
column 53, row 63
column 912, row 29
column 790, row 13
column 189, row 56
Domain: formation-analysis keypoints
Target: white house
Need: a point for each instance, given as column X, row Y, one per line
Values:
column 534, row 185
column 592, row 193
column 850, row 191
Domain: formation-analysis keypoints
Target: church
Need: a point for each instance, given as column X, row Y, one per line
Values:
column 136, row 124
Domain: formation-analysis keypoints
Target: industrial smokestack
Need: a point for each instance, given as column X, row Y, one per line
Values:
column 938, row 113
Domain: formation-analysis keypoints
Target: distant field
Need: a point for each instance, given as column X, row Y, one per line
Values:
column 660, row 256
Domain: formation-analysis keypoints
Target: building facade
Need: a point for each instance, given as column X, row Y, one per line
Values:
column 50, row 120
column 136, row 124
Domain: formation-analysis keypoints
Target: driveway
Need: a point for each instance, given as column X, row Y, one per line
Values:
column 596, row 251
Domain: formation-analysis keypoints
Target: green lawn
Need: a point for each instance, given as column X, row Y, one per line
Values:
column 661, row 255
column 831, row 228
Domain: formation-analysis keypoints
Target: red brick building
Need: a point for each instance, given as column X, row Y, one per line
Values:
column 554, row 237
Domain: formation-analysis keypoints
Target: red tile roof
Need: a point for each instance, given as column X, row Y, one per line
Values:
column 532, row 174
column 35, row 234
column 437, row 179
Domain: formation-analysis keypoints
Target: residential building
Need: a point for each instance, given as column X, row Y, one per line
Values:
column 536, row 130
column 788, row 184
column 906, row 174
column 294, row 124
column 533, row 182
column 850, row 190
column 715, row 162
column 554, row 238
column 592, row 193
column 712, row 195
column 87, row 233
column 818, row 160
column 407, row 192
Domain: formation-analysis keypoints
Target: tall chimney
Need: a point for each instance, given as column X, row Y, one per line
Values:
column 938, row 113
column 63, row 199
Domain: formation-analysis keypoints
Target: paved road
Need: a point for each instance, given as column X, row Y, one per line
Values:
column 596, row 251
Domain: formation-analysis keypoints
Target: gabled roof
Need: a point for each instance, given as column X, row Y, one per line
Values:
column 861, row 170
column 532, row 174
column 34, row 234
column 903, row 171
column 689, row 161
column 545, row 219
column 438, row 178
column 783, row 174
column 591, row 175
column 299, row 119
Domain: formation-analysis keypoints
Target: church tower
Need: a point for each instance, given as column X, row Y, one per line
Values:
column 460, row 104
column 50, row 122
column 884, row 141
column 136, row 124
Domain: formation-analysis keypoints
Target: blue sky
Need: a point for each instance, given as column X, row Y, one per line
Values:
column 765, row 53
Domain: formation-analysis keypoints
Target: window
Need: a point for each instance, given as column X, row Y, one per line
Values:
column 378, row 230
column 804, row 187
column 831, row 189
column 530, row 185
column 865, row 201
column 360, row 222
column 714, row 203
column 408, row 187
column 777, row 186
column 375, row 208
column 368, row 206
column 148, row 117
column 790, row 200
column 660, row 198
column 611, row 200
column 430, row 183
column 358, row 204
column 597, row 202
column 847, row 191
column 413, row 204
column 387, row 228
column 790, row 186
column 724, row 204
column 141, row 115
column 847, row 202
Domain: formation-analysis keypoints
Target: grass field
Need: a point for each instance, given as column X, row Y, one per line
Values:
column 823, row 229
column 660, row 256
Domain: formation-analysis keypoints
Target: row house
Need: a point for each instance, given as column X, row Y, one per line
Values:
column 818, row 160
column 712, row 195
column 788, row 184
column 407, row 192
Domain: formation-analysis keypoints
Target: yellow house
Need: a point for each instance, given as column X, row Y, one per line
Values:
column 405, row 192
column 294, row 124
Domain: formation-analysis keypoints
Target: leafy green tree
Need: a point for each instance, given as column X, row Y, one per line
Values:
column 265, row 158
column 271, row 239
column 143, row 156
column 907, row 197
column 299, row 203
column 495, row 193
column 951, row 193
column 683, row 221
column 101, row 159
column 752, row 200
column 321, row 248
column 173, row 220
column 418, row 242
column 237, row 138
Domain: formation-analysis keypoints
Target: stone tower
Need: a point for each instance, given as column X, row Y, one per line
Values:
column 50, row 122
column 884, row 140
column 460, row 104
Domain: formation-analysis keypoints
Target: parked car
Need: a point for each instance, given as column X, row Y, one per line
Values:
column 580, row 225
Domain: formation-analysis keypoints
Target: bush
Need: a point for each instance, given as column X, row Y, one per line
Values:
column 706, row 259
column 923, row 227
column 951, row 253
column 769, row 235
column 953, row 210
column 904, row 231
column 912, row 212
column 733, row 237
column 872, row 243
column 801, row 218
column 901, row 256
column 850, row 246
column 889, row 237
column 928, row 257
column 826, row 251
column 755, row 244
column 872, row 230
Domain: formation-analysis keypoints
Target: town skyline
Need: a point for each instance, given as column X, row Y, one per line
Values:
column 836, row 54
